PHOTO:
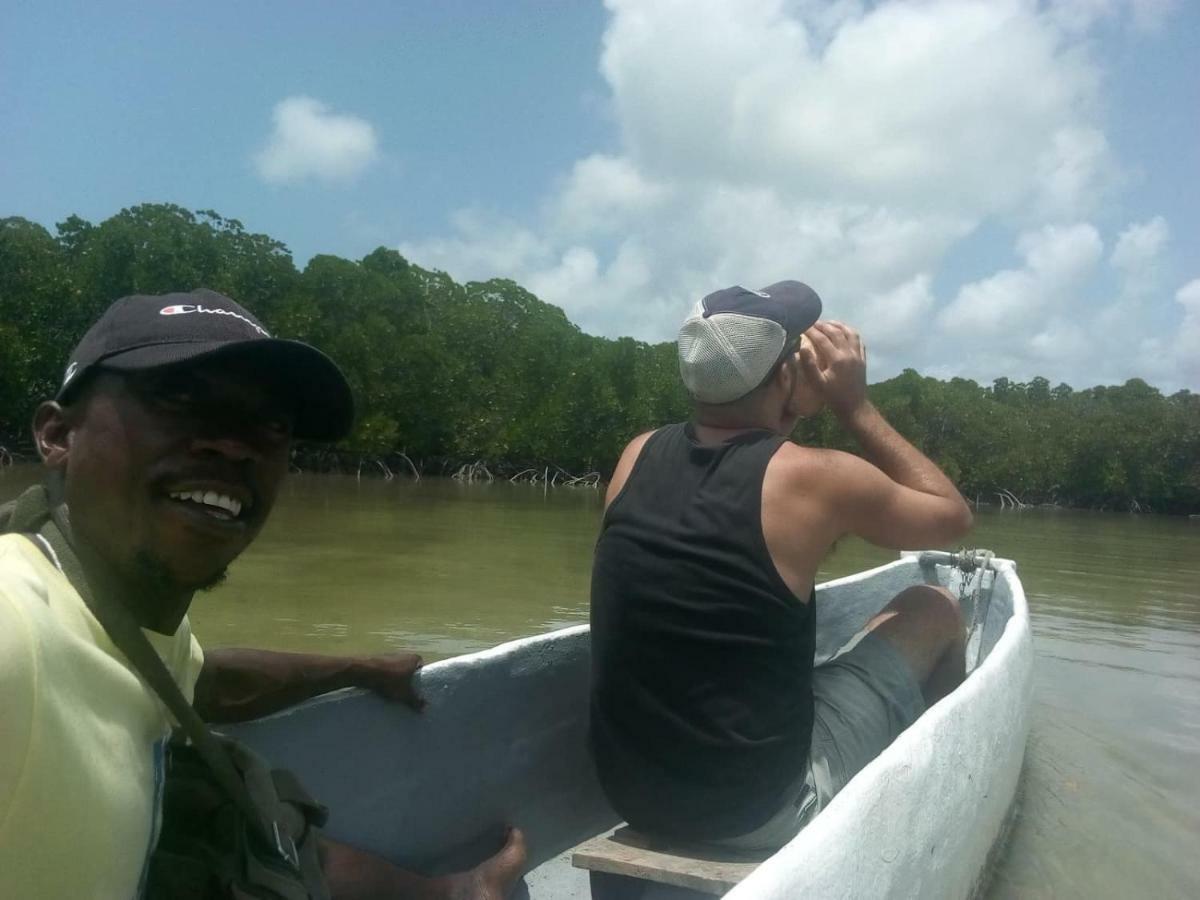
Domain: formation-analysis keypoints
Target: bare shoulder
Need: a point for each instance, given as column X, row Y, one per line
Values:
column 631, row 452
column 798, row 467
column 625, row 464
column 799, row 511
column 820, row 481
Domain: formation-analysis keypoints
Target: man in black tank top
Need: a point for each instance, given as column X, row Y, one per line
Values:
column 708, row 720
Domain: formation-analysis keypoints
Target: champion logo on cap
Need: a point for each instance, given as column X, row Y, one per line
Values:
column 180, row 309
column 143, row 333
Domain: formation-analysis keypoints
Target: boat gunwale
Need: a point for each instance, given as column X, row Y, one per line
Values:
column 518, row 655
column 515, row 645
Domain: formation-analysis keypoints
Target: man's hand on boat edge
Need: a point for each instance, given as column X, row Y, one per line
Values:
column 390, row 675
column 236, row 685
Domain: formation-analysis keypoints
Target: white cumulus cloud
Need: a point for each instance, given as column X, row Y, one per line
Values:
column 1187, row 338
column 970, row 106
column 602, row 192
column 1139, row 248
column 311, row 141
column 856, row 146
column 893, row 321
column 1057, row 261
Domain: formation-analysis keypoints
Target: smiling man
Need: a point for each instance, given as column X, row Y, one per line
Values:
column 164, row 448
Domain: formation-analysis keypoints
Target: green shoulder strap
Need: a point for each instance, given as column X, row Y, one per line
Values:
column 39, row 513
column 118, row 622
column 127, row 635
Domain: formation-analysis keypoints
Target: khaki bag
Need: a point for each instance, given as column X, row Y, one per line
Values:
column 208, row 849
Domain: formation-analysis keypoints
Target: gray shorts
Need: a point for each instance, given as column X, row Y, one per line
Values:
column 863, row 698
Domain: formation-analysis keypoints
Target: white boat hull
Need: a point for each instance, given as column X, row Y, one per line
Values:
column 922, row 819
column 503, row 740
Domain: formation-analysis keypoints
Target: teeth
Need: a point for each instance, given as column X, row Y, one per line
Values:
column 211, row 498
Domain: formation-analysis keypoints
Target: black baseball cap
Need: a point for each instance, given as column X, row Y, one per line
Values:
column 143, row 332
column 733, row 338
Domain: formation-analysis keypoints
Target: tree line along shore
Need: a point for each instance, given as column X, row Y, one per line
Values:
column 484, row 380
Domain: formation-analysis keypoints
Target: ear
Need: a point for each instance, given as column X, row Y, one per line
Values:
column 802, row 401
column 788, row 378
column 52, row 434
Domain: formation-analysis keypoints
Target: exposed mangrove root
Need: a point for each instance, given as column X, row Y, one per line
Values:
column 472, row 472
column 1008, row 498
column 555, row 477
column 387, row 473
column 589, row 479
column 314, row 459
column 416, row 472
column 6, row 458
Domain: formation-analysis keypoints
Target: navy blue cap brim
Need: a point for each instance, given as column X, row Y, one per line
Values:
column 323, row 401
column 800, row 305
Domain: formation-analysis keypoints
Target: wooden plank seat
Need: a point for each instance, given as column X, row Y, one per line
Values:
column 622, row 863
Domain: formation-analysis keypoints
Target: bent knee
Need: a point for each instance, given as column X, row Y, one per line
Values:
column 935, row 604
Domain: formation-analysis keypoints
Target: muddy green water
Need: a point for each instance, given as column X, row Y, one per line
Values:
column 1110, row 805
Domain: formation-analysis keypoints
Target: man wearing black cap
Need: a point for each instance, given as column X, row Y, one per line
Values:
column 165, row 448
column 709, row 721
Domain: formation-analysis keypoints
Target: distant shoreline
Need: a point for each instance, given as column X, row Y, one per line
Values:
column 484, row 379
column 367, row 466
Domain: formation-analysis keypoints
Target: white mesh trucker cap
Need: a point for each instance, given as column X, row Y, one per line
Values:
column 734, row 338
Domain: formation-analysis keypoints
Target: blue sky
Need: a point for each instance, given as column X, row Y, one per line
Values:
column 985, row 189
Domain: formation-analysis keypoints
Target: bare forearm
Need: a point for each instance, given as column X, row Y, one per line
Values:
column 901, row 498
column 236, row 685
column 886, row 448
column 354, row 874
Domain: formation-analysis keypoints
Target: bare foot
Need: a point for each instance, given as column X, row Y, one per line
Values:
column 494, row 878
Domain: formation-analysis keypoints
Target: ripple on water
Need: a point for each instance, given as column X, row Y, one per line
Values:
column 1108, row 805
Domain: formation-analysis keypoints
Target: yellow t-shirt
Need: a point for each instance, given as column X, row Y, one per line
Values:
column 81, row 739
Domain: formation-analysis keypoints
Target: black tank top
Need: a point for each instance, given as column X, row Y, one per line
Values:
column 702, row 657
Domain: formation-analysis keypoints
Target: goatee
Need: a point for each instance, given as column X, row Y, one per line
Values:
column 156, row 576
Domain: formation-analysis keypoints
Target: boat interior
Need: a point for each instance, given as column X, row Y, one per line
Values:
column 503, row 739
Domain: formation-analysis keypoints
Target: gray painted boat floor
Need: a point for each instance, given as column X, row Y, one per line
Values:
column 557, row 879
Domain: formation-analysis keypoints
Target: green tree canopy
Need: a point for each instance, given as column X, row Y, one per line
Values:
column 449, row 373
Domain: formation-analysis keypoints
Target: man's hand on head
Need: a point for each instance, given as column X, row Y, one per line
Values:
column 391, row 677
column 834, row 360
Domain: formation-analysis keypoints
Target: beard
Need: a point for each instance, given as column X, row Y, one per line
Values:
column 157, row 579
